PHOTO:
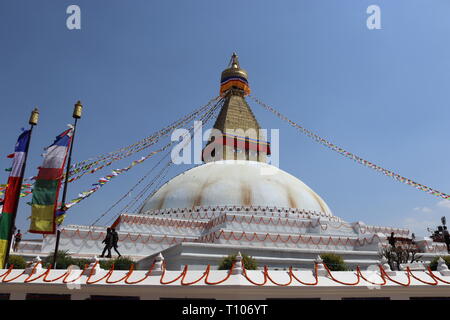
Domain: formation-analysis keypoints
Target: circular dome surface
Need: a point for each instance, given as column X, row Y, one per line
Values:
column 234, row 182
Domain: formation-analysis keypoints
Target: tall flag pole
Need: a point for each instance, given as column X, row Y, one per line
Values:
column 60, row 214
column 13, row 189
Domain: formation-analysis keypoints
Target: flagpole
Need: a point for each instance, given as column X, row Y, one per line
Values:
column 34, row 118
column 76, row 115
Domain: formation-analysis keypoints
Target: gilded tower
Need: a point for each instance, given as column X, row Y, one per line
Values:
column 237, row 134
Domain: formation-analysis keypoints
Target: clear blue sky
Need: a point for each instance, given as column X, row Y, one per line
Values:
column 137, row 65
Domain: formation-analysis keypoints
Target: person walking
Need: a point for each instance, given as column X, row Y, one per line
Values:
column 115, row 241
column 17, row 239
column 446, row 238
column 392, row 240
column 108, row 241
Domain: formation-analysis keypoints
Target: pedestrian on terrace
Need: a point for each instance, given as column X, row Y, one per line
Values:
column 108, row 241
column 115, row 240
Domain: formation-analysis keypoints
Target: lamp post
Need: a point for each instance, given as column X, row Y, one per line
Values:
column 34, row 118
column 77, row 111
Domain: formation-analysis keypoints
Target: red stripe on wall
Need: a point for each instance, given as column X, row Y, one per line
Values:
column 247, row 145
column 116, row 223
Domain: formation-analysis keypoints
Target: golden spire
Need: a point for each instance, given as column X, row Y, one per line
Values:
column 240, row 136
column 234, row 77
column 234, row 62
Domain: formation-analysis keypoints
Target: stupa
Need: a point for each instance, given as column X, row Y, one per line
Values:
column 233, row 202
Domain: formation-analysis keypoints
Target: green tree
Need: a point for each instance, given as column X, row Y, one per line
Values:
column 120, row 263
column 334, row 262
column 400, row 254
column 18, row 262
column 434, row 262
column 81, row 263
column 248, row 262
column 63, row 260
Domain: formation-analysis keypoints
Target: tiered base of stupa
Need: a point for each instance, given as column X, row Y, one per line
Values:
column 276, row 237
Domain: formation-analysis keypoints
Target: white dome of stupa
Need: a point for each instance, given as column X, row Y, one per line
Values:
column 236, row 183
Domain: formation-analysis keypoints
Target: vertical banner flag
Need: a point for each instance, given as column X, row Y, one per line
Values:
column 12, row 193
column 48, row 182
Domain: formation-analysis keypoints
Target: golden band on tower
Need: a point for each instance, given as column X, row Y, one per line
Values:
column 234, row 78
